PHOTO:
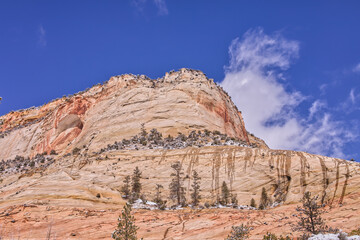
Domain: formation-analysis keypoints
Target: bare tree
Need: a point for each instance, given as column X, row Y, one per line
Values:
column 158, row 199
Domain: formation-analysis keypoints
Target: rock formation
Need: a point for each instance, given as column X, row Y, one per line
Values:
column 77, row 191
column 181, row 101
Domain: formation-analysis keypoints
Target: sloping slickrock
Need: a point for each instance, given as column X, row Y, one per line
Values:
column 91, row 184
column 181, row 101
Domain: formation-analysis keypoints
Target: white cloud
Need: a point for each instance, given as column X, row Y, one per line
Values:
column 323, row 88
column 315, row 108
column 269, row 109
column 161, row 5
column 350, row 104
column 42, row 36
column 357, row 68
column 352, row 96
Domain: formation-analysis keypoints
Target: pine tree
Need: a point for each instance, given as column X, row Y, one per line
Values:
column 225, row 193
column 158, row 199
column 252, row 203
column 195, row 195
column 264, row 200
column 177, row 191
column 234, row 200
column 135, row 184
column 126, row 229
column 125, row 189
column 310, row 220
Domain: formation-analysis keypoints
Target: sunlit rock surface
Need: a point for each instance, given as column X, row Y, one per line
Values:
column 76, row 193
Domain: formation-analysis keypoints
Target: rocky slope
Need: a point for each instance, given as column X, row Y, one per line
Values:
column 80, row 195
column 102, row 134
column 181, row 101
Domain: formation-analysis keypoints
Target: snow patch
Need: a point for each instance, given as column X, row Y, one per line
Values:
column 337, row 236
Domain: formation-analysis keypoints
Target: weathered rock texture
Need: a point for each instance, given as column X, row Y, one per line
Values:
column 81, row 194
column 179, row 102
column 78, row 194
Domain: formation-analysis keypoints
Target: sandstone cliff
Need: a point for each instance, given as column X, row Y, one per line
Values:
column 181, row 101
column 80, row 194
column 77, row 192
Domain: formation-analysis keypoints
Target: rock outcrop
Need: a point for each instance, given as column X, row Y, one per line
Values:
column 95, row 133
column 81, row 193
column 181, row 101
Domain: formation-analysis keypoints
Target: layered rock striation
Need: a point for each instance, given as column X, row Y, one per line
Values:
column 181, row 101
column 78, row 194
column 63, row 164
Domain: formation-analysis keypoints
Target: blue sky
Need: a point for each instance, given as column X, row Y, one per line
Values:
column 293, row 68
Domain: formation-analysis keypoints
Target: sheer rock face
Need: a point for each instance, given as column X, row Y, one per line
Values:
column 179, row 102
column 79, row 191
column 286, row 175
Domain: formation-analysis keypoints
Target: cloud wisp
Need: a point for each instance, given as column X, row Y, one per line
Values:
column 42, row 36
column 256, row 84
column 160, row 5
column 357, row 68
column 162, row 8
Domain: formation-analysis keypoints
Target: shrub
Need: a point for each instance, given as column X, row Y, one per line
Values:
column 76, row 151
column 207, row 132
column 143, row 198
column 143, row 131
column 239, row 232
column 271, row 236
column 252, row 203
column 143, row 142
column 355, row 232
column 234, row 200
column 216, row 132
